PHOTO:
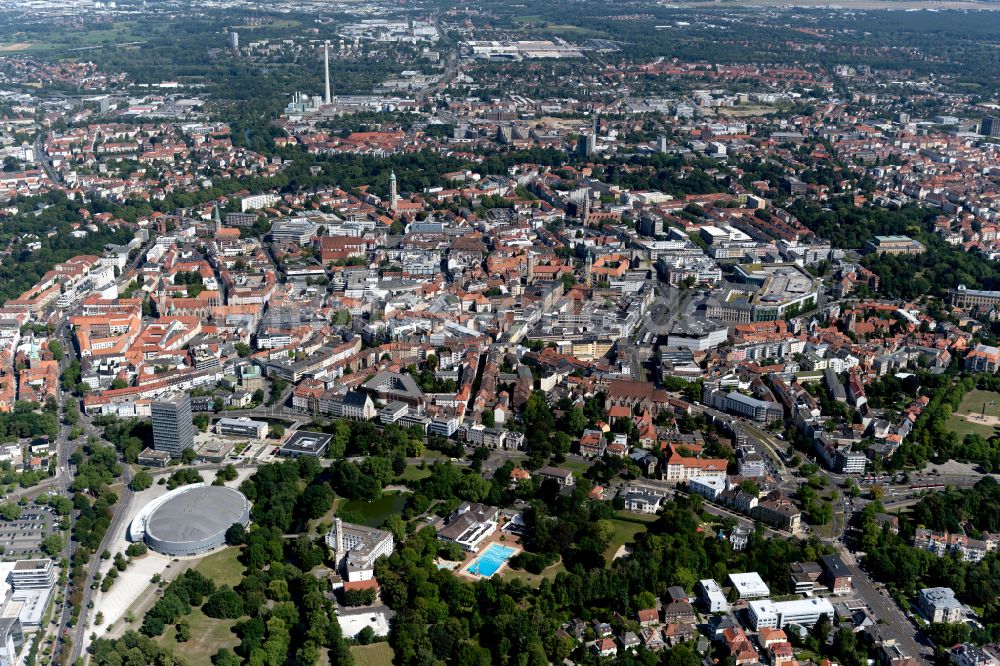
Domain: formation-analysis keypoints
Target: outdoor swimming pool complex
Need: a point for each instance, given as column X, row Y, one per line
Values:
column 491, row 560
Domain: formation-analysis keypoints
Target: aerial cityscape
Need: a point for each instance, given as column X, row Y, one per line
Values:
column 530, row 332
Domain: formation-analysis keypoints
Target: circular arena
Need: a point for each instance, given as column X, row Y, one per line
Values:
column 191, row 520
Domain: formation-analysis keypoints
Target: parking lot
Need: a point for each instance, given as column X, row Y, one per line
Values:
column 21, row 538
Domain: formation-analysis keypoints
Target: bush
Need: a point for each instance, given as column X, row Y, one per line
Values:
column 364, row 597
column 136, row 550
column 532, row 562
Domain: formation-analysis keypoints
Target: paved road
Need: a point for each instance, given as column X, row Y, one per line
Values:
column 885, row 609
column 120, row 514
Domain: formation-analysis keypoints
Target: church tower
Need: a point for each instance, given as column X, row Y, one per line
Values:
column 393, row 192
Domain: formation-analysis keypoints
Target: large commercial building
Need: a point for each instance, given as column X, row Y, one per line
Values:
column 765, row 613
column 894, row 245
column 356, row 548
column 173, row 428
column 33, row 574
column 963, row 297
column 191, row 520
column 698, row 334
column 242, row 427
column 305, row 443
column 293, row 230
column 749, row 585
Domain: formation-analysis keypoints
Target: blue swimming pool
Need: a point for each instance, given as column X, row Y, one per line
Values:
column 491, row 560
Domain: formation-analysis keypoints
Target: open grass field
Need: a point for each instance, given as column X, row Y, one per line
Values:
column 376, row 654
column 539, row 23
column 578, row 467
column 631, row 517
column 968, row 418
column 622, row 532
column 208, row 635
column 414, row 473
column 282, row 23
column 222, row 567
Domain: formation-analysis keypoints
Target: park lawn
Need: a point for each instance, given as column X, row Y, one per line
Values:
column 376, row 654
column 962, row 427
column 578, row 467
column 414, row 473
column 631, row 517
column 622, row 532
column 208, row 635
column 222, row 567
column 975, row 402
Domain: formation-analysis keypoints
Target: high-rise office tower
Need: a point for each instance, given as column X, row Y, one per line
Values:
column 234, row 41
column 173, row 427
column 990, row 126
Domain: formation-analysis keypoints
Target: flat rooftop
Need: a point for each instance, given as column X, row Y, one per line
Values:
column 306, row 442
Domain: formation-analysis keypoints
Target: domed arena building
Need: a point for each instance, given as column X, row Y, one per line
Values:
column 191, row 520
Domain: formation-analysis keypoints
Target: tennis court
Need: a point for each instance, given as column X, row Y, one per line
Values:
column 491, row 560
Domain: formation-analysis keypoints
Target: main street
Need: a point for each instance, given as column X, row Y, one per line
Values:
column 885, row 609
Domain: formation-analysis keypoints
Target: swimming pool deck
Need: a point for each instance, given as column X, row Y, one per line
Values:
column 491, row 560
column 509, row 541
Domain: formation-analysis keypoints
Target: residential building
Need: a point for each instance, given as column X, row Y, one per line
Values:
column 641, row 502
column 563, row 477
column 712, row 597
column 836, row 574
column 938, row 604
column 967, row 654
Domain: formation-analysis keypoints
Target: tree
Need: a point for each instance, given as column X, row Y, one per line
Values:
column 236, row 535
column 227, row 473
column 224, row 604
column 366, row 635
column 52, row 545
column 225, row 658
column 188, row 456
column 10, row 511
column 201, row 421
column 396, row 525
column 141, row 481
column 183, row 632
column 56, row 349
